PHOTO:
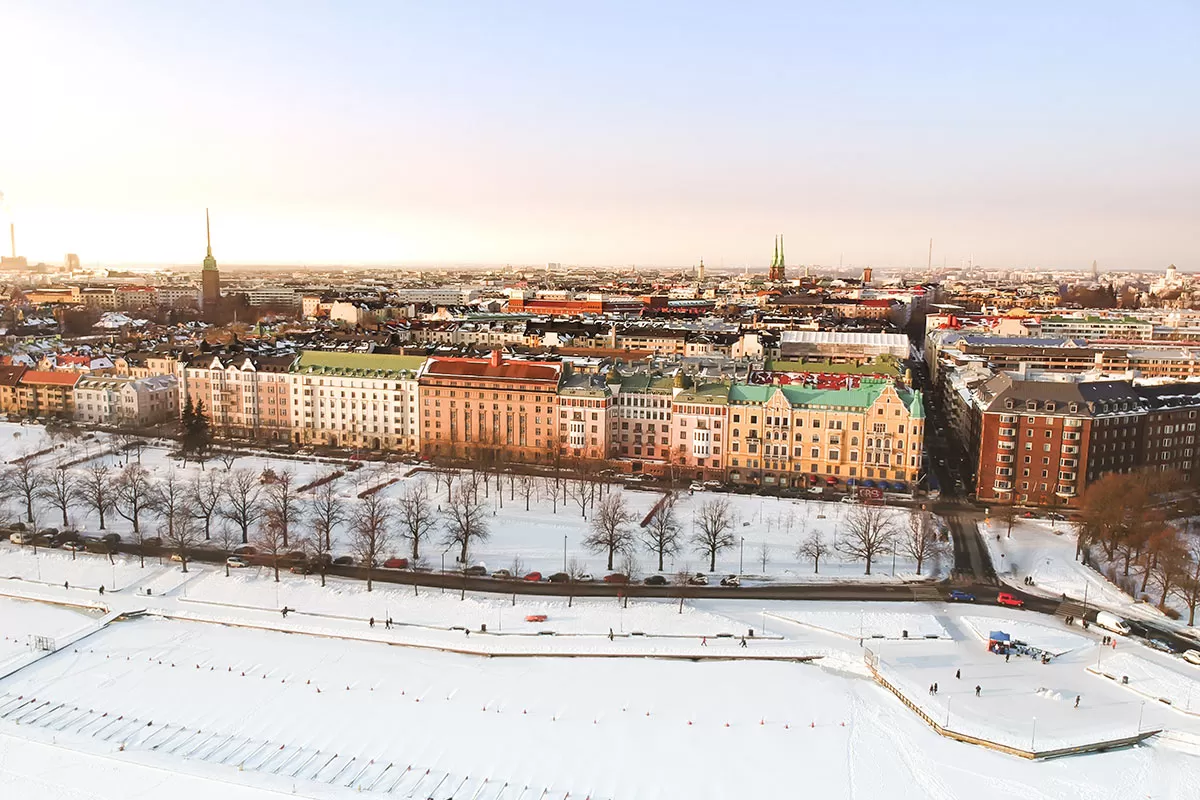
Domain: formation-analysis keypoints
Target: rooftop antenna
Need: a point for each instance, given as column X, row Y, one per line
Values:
column 929, row 263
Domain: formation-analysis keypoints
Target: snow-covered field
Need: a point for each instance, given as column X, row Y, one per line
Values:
column 1152, row 675
column 324, row 708
column 548, row 537
column 1054, row 639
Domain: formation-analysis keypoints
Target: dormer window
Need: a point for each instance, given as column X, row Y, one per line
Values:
column 1008, row 403
column 1073, row 408
column 1030, row 404
column 1050, row 405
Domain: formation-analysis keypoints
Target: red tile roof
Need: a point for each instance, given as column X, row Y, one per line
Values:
column 534, row 371
column 46, row 377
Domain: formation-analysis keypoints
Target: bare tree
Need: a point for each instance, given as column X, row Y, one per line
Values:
column 23, row 482
column 271, row 542
column 1172, row 566
column 919, row 540
column 661, row 534
column 96, row 489
column 206, row 492
column 714, row 530
column 316, row 549
column 181, row 536
column 1187, row 588
column 527, row 486
column 868, row 532
column 417, row 518
column 580, row 490
column 465, row 523
column 60, row 490
column 370, row 534
column 814, row 547
column 227, row 459
column 242, row 501
column 610, row 528
column 133, row 494
column 764, row 556
column 282, row 505
column 444, row 473
column 327, row 512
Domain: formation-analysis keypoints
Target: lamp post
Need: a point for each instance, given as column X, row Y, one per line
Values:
column 741, row 555
column 564, row 552
column 1141, row 711
column 443, row 581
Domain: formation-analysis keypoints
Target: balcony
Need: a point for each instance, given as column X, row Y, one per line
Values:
column 1008, row 432
column 1002, row 486
column 1071, row 449
column 1065, row 491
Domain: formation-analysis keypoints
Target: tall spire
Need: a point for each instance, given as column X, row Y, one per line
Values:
column 775, row 259
column 210, row 263
column 781, row 262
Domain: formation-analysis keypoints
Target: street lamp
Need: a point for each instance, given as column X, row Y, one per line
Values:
column 741, row 555
column 1033, row 737
column 1141, row 711
column 564, row 552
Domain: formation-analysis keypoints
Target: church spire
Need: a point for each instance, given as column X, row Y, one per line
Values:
column 209, row 261
column 775, row 259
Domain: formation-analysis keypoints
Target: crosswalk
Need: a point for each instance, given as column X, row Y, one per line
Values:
column 358, row 772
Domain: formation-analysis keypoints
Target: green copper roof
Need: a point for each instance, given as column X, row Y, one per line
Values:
column 363, row 365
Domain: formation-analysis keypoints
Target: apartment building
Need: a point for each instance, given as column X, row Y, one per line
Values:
column 790, row 436
column 126, row 402
column 355, row 400
column 641, row 419
column 41, row 394
column 10, row 381
column 493, row 409
column 246, row 396
column 585, row 417
column 699, row 433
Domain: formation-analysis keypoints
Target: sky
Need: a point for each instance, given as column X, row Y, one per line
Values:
column 1022, row 134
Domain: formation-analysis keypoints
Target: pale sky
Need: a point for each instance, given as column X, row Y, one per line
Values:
column 1020, row 134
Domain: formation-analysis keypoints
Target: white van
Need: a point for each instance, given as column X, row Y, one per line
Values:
column 1192, row 657
column 1111, row 622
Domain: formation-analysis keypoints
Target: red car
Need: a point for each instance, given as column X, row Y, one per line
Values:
column 396, row 563
column 616, row 577
column 1006, row 599
column 533, row 577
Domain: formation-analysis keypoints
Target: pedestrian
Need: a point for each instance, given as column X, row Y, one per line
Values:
column 704, row 641
column 371, row 622
column 935, row 688
column 977, row 690
column 743, row 641
column 958, row 674
column 931, row 689
column 1006, row 657
column 1077, row 701
column 1113, row 639
column 101, row 590
column 66, row 585
column 283, row 611
column 467, row 631
column 610, row 634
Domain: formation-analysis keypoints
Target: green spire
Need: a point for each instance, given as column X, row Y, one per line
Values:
column 775, row 260
column 781, row 251
column 209, row 261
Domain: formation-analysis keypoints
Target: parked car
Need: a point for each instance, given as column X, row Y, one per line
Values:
column 343, row 561
column 111, row 539
column 585, row 578
column 300, row 569
column 559, row 577
column 713, row 485
column 731, row 580
column 396, row 563
column 1192, row 657
column 21, row 537
column 1160, row 645
column 297, row 556
column 849, row 499
column 245, row 550
column 1006, row 599
column 699, row 579
column 502, row 574
column 73, row 545
column 476, row 571
column 616, row 577
column 696, row 487
column 655, row 580
column 237, row 562
column 533, row 577
column 960, row 596
column 176, row 557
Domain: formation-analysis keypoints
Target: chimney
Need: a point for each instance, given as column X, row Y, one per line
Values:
column 866, row 279
column 495, row 359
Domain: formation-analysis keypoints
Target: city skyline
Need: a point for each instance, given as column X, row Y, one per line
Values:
column 438, row 137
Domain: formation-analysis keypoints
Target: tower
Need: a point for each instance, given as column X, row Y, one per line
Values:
column 866, row 276
column 777, row 268
column 700, row 272
column 210, row 276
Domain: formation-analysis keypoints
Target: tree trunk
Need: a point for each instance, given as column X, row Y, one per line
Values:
column 712, row 560
column 660, row 560
column 64, row 512
column 101, row 513
column 275, row 564
column 868, row 566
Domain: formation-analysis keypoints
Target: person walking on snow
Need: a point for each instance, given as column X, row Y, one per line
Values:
column 371, row 622
column 958, row 674
column 977, row 690
column 935, row 688
column 704, row 641
column 1077, row 701
column 743, row 641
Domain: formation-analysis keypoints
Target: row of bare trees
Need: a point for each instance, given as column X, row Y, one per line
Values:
column 1142, row 524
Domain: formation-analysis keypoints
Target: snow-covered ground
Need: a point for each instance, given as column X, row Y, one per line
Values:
column 548, row 537
column 1151, row 675
column 1054, row 639
column 324, row 708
